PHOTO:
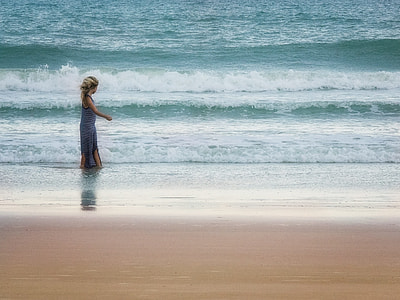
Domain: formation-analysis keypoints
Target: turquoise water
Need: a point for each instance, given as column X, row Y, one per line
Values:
column 187, row 35
column 216, row 84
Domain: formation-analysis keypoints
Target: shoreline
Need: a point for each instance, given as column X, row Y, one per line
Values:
column 207, row 203
column 139, row 257
column 273, row 215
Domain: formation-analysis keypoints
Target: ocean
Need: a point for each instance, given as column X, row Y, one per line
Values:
column 256, row 96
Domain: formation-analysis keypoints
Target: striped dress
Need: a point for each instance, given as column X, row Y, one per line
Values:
column 88, row 135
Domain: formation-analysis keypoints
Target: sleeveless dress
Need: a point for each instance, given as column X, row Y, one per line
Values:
column 88, row 135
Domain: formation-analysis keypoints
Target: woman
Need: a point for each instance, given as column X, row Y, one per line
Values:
column 89, row 152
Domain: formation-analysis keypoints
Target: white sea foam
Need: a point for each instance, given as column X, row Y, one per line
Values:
column 274, row 148
column 68, row 79
column 303, row 117
column 154, row 154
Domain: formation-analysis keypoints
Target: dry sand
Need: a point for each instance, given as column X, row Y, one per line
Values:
column 128, row 257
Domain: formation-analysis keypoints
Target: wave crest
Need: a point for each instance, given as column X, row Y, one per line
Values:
column 68, row 79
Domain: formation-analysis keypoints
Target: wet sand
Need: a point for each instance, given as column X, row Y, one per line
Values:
column 128, row 257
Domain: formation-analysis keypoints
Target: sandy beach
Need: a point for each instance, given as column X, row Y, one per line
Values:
column 94, row 256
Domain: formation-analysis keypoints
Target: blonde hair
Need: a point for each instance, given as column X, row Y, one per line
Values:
column 88, row 84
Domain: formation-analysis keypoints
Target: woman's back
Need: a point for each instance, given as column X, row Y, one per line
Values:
column 88, row 117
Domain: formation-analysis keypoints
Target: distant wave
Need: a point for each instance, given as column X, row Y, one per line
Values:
column 363, row 54
column 190, row 109
column 68, row 79
column 382, row 47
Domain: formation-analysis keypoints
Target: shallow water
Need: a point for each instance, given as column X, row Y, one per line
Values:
column 262, row 190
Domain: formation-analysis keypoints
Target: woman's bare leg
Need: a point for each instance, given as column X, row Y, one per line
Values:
column 83, row 160
column 97, row 158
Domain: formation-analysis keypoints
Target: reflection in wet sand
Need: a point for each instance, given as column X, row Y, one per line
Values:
column 88, row 186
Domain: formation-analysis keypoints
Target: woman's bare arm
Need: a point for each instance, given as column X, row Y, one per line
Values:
column 97, row 112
